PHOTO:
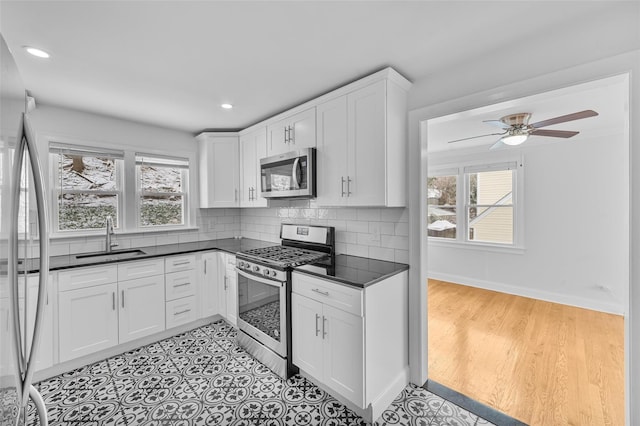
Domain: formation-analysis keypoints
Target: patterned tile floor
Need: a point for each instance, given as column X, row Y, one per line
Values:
column 203, row 378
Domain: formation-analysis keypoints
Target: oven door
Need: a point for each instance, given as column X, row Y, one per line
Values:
column 288, row 175
column 262, row 307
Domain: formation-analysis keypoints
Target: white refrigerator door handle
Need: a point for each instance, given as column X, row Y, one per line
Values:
column 40, row 407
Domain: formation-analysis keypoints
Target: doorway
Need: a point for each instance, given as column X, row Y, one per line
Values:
column 565, row 265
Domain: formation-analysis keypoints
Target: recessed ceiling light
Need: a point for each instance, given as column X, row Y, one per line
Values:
column 226, row 106
column 37, row 52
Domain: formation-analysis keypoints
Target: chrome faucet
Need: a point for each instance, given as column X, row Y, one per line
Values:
column 108, row 244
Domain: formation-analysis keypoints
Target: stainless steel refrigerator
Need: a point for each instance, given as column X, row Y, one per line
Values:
column 25, row 245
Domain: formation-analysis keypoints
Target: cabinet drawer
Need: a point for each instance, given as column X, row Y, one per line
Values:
column 140, row 269
column 180, row 284
column 180, row 263
column 87, row 277
column 181, row 311
column 336, row 295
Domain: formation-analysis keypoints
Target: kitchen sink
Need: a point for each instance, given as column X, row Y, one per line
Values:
column 114, row 255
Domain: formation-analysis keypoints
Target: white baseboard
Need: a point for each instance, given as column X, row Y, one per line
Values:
column 384, row 400
column 547, row 296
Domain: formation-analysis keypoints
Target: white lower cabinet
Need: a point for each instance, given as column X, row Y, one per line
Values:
column 142, row 310
column 87, row 320
column 228, row 289
column 209, row 297
column 352, row 342
column 327, row 345
column 181, row 311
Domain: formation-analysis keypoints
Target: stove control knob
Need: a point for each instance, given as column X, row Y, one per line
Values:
column 266, row 272
column 240, row 264
column 256, row 269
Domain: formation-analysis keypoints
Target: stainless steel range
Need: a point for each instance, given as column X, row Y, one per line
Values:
column 264, row 290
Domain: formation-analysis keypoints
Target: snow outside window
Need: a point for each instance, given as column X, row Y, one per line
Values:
column 87, row 187
column 162, row 190
column 474, row 204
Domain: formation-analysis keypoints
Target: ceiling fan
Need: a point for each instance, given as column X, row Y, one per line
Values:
column 517, row 128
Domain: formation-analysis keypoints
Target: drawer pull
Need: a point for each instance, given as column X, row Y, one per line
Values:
column 324, row 293
column 182, row 285
column 123, row 298
column 317, row 328
column 113, row 300
column 181, row 312
column 186, row 262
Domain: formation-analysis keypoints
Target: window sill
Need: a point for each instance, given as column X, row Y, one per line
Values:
column 132, row 232
column 486, row 247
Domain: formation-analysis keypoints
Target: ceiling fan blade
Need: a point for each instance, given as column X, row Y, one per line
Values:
column 498, row 145
column 564, row 118
column 474, row 137
column 497, row 123
column 553, row 133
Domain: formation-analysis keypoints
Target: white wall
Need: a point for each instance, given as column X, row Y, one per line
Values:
column 576, row 227
column 72, row 126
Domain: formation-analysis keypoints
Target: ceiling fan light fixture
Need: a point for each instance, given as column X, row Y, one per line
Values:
column 514, row 139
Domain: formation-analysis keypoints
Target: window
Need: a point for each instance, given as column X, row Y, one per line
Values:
column 162, row 194
column 87, row 186
column 474, row 204
column 442, row 200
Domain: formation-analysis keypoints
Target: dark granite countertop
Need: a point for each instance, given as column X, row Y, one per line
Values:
column 230, row 245
column 352, row 270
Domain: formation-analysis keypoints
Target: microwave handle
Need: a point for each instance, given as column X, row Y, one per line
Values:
column 294, row 172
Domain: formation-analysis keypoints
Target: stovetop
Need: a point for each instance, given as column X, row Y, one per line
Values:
column 282, row 256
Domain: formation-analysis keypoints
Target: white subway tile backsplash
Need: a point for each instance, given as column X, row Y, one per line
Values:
column 368, row 214
column 396, row 242
column 402, row 256
column 402, row 228
column 382, row 253
column 346, row 213
column 357, row 250
column 357, row 226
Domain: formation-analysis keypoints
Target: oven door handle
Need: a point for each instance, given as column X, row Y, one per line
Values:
column 259, row 279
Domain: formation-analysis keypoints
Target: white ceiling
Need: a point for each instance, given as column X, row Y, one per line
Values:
column 172, row 63
column 609, row 97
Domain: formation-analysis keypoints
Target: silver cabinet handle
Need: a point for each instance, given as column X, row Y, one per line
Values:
column 122, row 292
column 236, row 195
column 181, row 312
column 113, row 301
column 317, row 327
column 205, row 266
column 286, row 134
column 186, row 262
column 292, row 134
column 225, row 282
column 342, row 186
column 348, row 186
column 324, row 293
column 182, row 285
column 324, row 331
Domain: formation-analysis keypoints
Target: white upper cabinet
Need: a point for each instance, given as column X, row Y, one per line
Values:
column 362, row 146
column 292, row 133
column 219, row 170
column 253, row 147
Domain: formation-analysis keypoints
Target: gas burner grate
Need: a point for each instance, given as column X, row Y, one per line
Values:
column 283, row 256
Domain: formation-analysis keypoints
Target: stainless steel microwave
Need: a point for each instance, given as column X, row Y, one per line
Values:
column 289, row 175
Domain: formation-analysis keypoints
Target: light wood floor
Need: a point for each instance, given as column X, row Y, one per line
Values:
column 539, row 362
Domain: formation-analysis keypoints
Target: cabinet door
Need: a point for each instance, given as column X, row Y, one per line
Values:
column 209, row 285
column 331, row 157
column 277, row 142
column 141, row 311
column 44, row 358
column 87, row 320
column 253, row 147
column 306, row 335
column 367, row 142
column 219, row 171
column 302, row 130
column 232, row 296
column 343, row 354
column 222, row 284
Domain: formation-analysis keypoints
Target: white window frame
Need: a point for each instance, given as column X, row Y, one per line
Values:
column 462, row 205
column 163, row 161
column 56, row 149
